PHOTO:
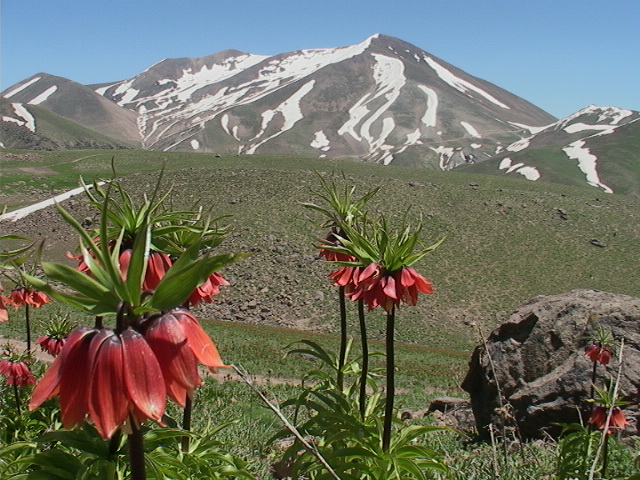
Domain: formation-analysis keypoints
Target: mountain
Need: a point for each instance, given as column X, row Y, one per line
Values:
column 597, row 145
column 383, row 101
column 32, row 127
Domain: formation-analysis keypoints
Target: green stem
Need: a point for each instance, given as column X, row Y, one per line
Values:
column 186, row 422
column 28, row 324
column 136, row 452
column 365, row 358
column 593, row 380
column 391, row 388
column 17, row 395
column 605, row 455
column 343, row 338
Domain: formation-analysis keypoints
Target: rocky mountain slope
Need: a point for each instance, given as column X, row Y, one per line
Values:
column 597, row 145
column 382, row 101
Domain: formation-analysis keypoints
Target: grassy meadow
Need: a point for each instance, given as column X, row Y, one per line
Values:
column 506, row 241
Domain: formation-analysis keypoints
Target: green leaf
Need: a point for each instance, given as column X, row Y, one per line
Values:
column 185, row 275
column 137, row 265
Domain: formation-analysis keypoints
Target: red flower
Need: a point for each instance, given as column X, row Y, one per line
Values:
column 598, row 354
column 107, row 376
column 379, row 288
column 179, row 343
column 346, row 277
column 20, row 296
column 157, row 267
column 4, row 315
column 51, row 344
column 599, row 418
column 409, row 283
column 208, row 289
column 16, row 373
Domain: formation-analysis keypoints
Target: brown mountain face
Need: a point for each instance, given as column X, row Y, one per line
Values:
column 382, row 100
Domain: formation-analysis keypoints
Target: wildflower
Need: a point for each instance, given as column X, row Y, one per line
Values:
column 16, row 372
column 599, row 418
column 21, row 296
column 379, row 288
column 57, row 331
column 51, row 344
column 598, row 353
column 157, row 267
column 4, row 314
column 111, row 377
column 208, row 289
column 179, row 343
column 346, row 277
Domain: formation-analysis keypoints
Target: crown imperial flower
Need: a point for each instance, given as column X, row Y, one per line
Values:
column 598, row 353
column 599, row 414
column 21, row 296
column 179, row 343
column 109, row 376
column 16, row 372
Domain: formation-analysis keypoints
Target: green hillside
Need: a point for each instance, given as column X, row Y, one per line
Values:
column 53, row 132
column 507, row 239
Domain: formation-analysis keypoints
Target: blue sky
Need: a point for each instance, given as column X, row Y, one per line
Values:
column 561, row 55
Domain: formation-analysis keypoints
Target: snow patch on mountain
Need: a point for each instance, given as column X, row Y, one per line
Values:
column 519, row 145
column 470, row 129
column 586, row 163
column 43, row 96
column 388, row 74
column 445, row 154
column 21, row 87
column 320, row 141
column 21, row 111
column 530, row 173
column 581, row 127
column 460, row 84
column 195, row 144
column 431, row 114
column 532, row 130
column 290, row 110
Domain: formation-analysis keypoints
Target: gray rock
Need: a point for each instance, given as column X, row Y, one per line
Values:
column 540, row 366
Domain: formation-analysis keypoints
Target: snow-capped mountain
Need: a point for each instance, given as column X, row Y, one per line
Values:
column 587, row 146
column 382, row 100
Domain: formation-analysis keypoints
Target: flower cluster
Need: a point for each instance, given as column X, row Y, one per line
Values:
column 599, row 415
column 15, row 370
column 21, row 296
column 116, row 377
column 4, row 314
column 598, row 353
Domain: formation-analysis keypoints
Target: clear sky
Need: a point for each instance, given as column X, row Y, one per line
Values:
column 561, row 55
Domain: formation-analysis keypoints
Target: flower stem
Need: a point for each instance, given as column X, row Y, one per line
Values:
column 186, row 422
column 28, row 325
column 391, row 388
column 136, row 451
column 17, row 395
column 343, row 338
column 593, row 380
column 365, row 358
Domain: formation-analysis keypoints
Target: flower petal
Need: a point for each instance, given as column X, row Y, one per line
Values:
column 202, row 346
column 108, row 405
column 144, row 385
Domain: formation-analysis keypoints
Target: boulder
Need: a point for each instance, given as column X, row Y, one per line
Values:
column 540, row 367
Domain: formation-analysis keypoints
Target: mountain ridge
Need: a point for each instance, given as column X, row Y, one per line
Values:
column 382, row 100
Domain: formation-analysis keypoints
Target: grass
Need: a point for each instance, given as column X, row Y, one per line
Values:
column 507, row 240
